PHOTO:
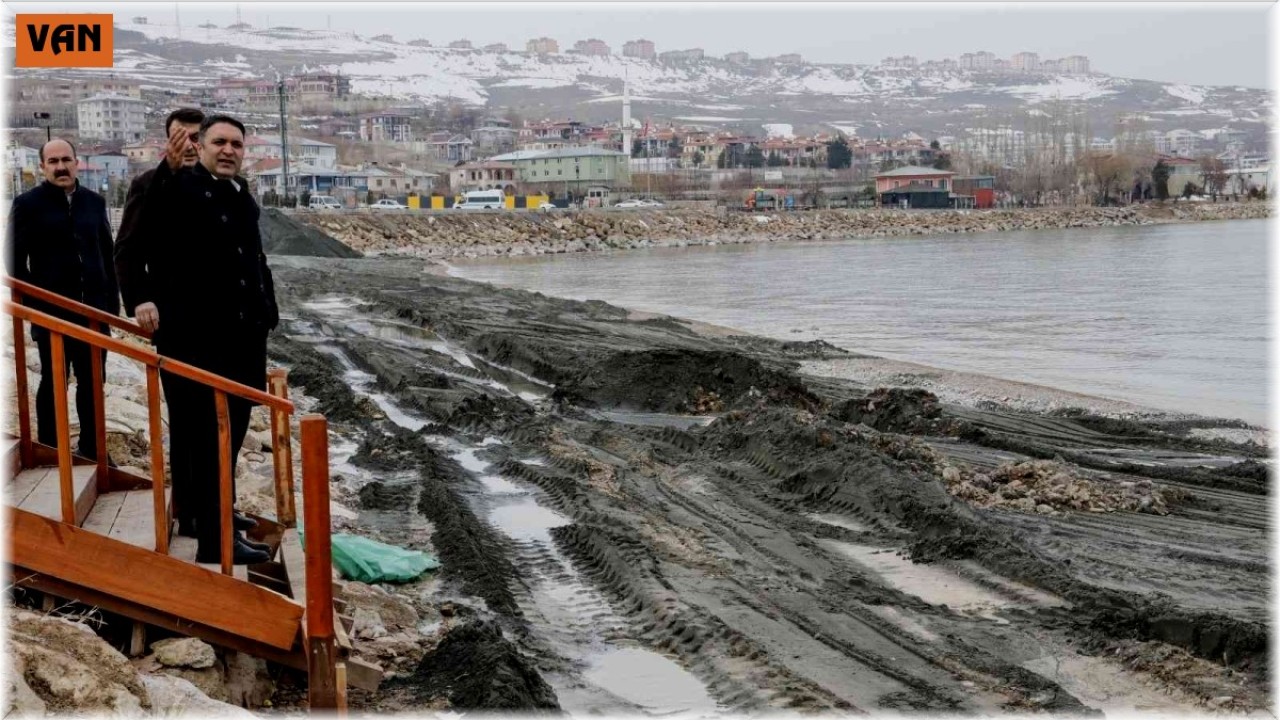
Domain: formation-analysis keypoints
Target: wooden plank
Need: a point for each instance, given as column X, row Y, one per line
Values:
column 322, row 690
column 184, row 549
column 295, row 564
column 341, row 638
column 136, row 522
column 103, row 515
column 66, row 497
column 11, row 450
column 24, row 577
column 24, row 483
column 46, row 499
column 143, row 577
column 226, row 497
column 25, row 453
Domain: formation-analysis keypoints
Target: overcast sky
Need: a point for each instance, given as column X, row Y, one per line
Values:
column 1219, row 44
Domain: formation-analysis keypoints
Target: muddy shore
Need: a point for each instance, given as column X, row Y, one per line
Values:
column 610, row 493
column 457, row 234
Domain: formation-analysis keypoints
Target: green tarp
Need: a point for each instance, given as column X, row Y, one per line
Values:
column 369, row 561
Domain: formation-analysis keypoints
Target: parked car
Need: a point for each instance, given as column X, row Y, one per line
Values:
column 652, row 203
column 324, row 202
column 388, row 204
column 631, row 204
column 547, row 207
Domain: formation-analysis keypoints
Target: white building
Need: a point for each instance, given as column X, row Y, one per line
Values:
column 112, row 117
column 1182, row 142
column 1025, row 62
column 21, row 157
column 1074, row 65
column 321, row 155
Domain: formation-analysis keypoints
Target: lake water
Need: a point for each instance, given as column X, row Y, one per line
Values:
column 1170, row 316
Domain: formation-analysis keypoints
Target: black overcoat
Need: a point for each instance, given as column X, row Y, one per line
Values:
column 63, row 247
column 197, row 239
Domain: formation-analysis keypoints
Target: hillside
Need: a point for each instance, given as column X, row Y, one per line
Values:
column 808, row 97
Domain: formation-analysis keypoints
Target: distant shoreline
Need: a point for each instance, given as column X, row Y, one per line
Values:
column 458, row 234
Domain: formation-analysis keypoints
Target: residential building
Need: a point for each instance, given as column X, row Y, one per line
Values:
column 22, row 158
column 574, row 169
column 112, row 117
column 55, row 90
column 591, row 47
column 906, row 62
column 1025, row 62
column 385, row 37
column 915, row 187
column 301, row 150
column 444, row 147
column 981, row 60
column 323, row 86
column 680, row 56
column 146, row 153
column 484, row 176
column 386, row 126
column 1182, row 170
column 642, row 49
column 790, row 59
column 1182, row 142
column 542, row 46
column 496, row 48
column 493, row 139
column 420, row 42
column 737, row 58
column 981, row 188
column 1075, row 65
column 460, row 45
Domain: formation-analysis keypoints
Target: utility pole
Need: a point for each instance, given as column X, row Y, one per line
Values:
column 284, row 140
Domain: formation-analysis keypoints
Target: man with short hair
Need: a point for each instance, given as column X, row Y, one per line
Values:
column 131, row 269
column 59, row 239
column 206, row 273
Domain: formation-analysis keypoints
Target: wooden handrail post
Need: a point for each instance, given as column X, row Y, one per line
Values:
column 161, row 508
column 282, row 449
column 225, row 496
column 60, row 413
column 26, row 450
column 321, row 652
column 97, row 361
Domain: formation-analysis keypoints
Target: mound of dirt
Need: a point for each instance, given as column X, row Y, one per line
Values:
column 282, row 235
column 682, row 381
column 898, row 410
column 1047, row 487
column 509, row 682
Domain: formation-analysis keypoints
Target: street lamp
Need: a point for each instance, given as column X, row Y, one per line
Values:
column 48, row 129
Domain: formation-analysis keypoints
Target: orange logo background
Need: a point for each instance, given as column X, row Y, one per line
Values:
column 57, row 39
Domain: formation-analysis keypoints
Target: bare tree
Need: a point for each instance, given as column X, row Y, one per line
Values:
column 1214, row 172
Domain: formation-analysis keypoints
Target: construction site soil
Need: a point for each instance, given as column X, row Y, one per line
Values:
column 598, row 486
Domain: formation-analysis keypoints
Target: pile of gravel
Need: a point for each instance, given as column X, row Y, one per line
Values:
column 282, row 235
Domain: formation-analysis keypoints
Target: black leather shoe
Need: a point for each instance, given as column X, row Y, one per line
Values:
column 240, row 521
column 187, row 527
column 260, row 546
column 241, row 554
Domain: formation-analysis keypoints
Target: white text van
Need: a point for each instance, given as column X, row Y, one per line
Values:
column 324, row 202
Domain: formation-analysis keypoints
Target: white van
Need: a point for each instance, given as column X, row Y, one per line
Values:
column 481, row 200
column 324, row 202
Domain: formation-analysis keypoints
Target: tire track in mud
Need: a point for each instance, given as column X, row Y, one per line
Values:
column 573, row 627
column 654, row 517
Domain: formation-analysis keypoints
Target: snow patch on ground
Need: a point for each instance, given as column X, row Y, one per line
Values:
column 1186, row 92
column 1065, row 88
column 781, row 130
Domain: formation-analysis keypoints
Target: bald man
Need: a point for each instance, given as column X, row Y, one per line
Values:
column 59, row 239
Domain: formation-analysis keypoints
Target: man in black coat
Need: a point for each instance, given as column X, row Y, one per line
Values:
column 59, row 238
column 131, row 269
column 198, row 239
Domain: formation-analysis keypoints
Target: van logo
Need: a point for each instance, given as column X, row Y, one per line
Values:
column 64, row 40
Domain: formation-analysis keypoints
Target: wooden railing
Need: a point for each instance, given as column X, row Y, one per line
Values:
column 313, row 433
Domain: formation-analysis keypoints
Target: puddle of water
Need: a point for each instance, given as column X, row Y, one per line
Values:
column 843, row 521
column 495, row 485
column 933, row 584
column 527, row 520
column 626, row 417
column 1105, row 686
column 650, row 681
column 333, row 303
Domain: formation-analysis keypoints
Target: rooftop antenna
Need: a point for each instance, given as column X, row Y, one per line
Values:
column 237, row 14
column 177, row 21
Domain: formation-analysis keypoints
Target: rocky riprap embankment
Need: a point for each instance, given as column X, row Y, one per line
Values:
column 452, row 235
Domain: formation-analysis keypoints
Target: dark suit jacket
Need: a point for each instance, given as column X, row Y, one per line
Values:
column 197, row 242
column 65, row 248
column 128, row 267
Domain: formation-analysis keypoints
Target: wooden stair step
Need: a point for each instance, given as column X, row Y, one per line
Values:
column 10, row 455
column 39, row 490
column 127, row 516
